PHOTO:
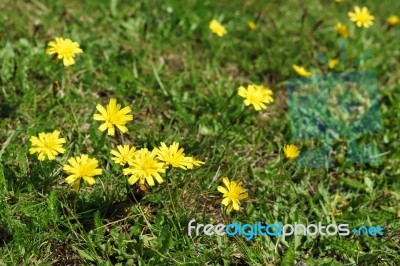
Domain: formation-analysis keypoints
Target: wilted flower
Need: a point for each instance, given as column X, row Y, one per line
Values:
column 47, row 144
column 65, row 49
column 337, row 204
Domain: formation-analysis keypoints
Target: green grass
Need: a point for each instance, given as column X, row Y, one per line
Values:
column 180, row 80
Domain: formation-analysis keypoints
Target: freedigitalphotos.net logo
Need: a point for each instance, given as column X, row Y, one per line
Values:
column 327, row 106
column 249, row 231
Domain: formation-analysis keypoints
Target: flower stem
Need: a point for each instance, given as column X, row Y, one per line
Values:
column 230, row 124
column 169, row 192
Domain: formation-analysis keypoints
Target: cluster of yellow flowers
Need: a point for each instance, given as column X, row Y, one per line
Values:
column 143, row 165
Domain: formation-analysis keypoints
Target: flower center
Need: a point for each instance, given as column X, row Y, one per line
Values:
column 67, row 50
column 83, row 171
column 256, row 96
column 48, row 144
column 147, row 166
column 363, row 17
column 233, row 194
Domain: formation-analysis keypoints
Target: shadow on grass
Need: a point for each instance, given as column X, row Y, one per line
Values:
column 36, row 176
column 5, row 236
column 81, row 208
column 7, row 110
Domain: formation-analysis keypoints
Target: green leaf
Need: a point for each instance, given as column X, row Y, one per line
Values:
column 352, row 183
column 289, row 257
column 83, row 254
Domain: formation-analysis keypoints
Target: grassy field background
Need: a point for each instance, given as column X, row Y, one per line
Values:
column 181, row 81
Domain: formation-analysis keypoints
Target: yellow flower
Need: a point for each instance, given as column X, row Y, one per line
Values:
column 172, row 155
column 113, row 116
column 301, row 71
column 342, row 30
column 339, row 1
column 192, row 161
column 232, row 194
column 65, row 49
column 332, row 63
column 217, row 28
column 47, row 144
column 144, row 167
column 393, row 20
column 256, row 95
column 291, row 151
column 251, row 25
column 81, row 167
column 175, row 157
column 124, row 154
column 361, row 17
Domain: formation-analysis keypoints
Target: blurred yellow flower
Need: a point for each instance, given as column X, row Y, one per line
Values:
column 232, row 194
column 81, row 167
column 124, row 154
column 291, row 151
column 393, row 20
column 338, row 200
column 251, row 25
column 362, row 17
column 217, row 28
column 144, row 167
column 336, row 212
column 47, row 144
column 301, row 71
column 113, row 116
column 339, row 1
column 337, row 197
column 332, row 63
column 256, row 95
column 65, row 49
column 337, row 204
column 342, row 30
